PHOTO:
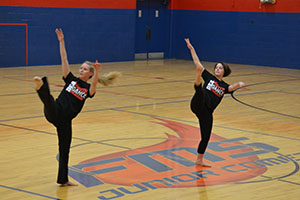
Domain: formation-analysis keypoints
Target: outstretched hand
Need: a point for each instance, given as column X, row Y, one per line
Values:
column 242, row 84
column 60, row 35
column 97, row 65
column 188, row 43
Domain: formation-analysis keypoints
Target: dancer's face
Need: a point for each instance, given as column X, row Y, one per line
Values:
column 85, row 72
column 219, row 71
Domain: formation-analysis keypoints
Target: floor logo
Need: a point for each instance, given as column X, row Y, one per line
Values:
column 171, row 163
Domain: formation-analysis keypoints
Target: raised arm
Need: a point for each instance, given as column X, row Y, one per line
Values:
column 63, row 53
column 236, row 86
column 199, row 66
column 95, row 78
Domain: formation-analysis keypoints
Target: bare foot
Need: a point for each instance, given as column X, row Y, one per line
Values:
column 68, row 184
column 38, row 81
column 202, row 164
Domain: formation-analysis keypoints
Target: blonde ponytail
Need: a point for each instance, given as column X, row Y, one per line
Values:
column 109, row 79
column 105, row 79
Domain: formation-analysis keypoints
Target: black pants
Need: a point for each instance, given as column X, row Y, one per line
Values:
column 205, row 117
column 63, row 127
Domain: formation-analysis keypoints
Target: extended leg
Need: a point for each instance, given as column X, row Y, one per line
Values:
column 43, row 91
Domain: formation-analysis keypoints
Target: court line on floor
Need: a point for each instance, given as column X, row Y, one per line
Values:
column 275, row 118
column 150, row 104
column 146, row 138
column 97, row 110
column 28, row 192
column 149, row 115
column 190, row 81
column 218, row 126
column 50, row 133
column 266, row 178
column 168, row 80
column 262, row 109
column 277, row 178
column 241, row 130
column 165, row 82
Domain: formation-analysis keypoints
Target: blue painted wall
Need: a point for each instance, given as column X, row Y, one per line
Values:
column 12, row 45
column 266, row 36
column 244, row 32
column 104, row 34
column 255, row 38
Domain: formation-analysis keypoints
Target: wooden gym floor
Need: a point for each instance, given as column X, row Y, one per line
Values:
column 138, row 138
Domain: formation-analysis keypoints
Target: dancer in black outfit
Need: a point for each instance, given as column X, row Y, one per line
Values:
column 69, row 103
column 207, row 98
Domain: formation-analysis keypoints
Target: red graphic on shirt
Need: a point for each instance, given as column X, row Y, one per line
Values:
column 214, row 87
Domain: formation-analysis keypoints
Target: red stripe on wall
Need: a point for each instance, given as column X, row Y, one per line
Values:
column 108, row 4
column 292, row 6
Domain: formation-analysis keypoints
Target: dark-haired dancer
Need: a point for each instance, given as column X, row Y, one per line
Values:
column 69, row 103
column 207, row 98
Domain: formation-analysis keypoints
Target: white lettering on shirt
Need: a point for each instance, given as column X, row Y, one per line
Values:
column 77, row 91
column 215, row 88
